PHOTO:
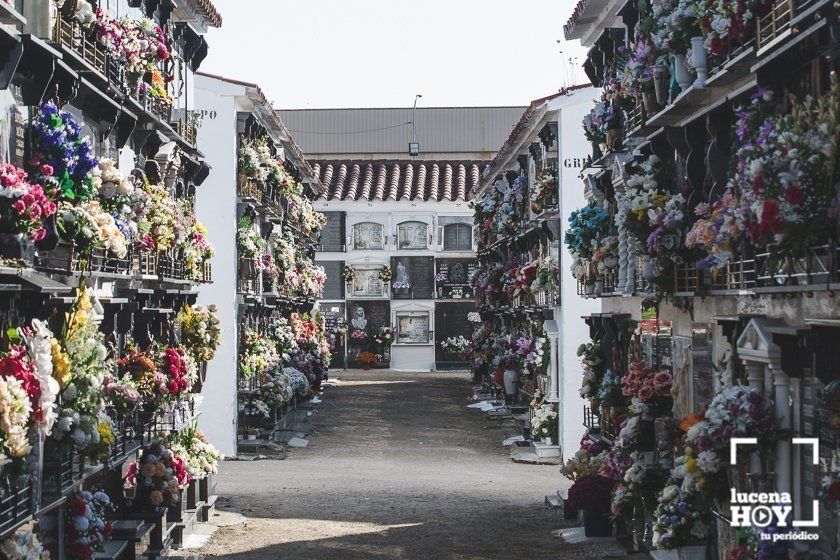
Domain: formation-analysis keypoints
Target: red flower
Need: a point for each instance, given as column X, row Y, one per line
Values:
column 108, row 530
column 78, row 507
column 794, row 195
column 81, row 550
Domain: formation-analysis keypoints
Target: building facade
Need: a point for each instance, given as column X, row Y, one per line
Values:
column 249, row 214
column 398, row 246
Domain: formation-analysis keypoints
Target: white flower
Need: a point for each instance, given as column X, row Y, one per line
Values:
column 670, row 492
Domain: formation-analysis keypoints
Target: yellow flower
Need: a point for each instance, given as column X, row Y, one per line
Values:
column 691, row 465
column 61, row 365
column 106, row 436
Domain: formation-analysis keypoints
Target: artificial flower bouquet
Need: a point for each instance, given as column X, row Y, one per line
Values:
column 23, row 205
column 258, row 353
column 367, row 359
column 81, row 361
column 255, row 407
column 385, row 335
column 385, row 273
column 158, row 476
column 646, row 384
column 454, row 344
column 586, row 461
column 358, row 336
column 200, row 331
column 24, row 546
column 593, row 370
column 544, row 194
column 544, row 422
column 276, row 388
column 201, row 459
column 87, row 528
column 249, row 243
column 591, row 493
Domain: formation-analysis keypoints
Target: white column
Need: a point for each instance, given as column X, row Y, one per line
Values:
column 554, row 369
column 781, row 385
column 755, row 378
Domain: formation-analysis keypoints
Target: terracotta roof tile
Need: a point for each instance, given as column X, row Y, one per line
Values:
column 435, row 182
column 399, row 180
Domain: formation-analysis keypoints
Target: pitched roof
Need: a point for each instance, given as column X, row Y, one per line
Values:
column 398, row 180
column 208, row 11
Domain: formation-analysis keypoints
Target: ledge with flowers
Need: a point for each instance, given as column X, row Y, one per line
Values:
column 84, row 404
column 137, row 56
column 655, row 472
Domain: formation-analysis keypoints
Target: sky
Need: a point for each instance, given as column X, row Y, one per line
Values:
column 380, row 53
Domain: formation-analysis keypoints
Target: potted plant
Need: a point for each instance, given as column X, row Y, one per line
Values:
column 366, row 359
column 251, row 432
column 592, row 494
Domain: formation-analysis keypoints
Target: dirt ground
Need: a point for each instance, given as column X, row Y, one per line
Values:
column 398, row 468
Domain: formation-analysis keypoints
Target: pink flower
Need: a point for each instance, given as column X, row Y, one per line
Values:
column 19, row 206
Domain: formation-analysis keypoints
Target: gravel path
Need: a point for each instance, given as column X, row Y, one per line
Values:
column 398, row 468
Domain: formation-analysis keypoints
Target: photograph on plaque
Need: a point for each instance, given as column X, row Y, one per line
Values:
column 413, row 278
column 367, row 235
column 413, row 328
column 412, row 235
column 366, row 282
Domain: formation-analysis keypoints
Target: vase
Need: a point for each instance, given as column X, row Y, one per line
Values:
column 366, row 366
column 614, row 137
column 17, row 246
column 594, row 405
column 596, row 524
column 511, row 379
column 692, row 552
column 699, row 61
column 599, row 287
column 547, row 440
column 681, row 72
column 650, row 102
column 648, row 268
column 660, row 83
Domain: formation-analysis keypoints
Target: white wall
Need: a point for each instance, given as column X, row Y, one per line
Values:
column 216, row 208
column 573, row 331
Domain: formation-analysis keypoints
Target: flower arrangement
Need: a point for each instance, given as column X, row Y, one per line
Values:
column 257, row 354
column 143, row 45
column 249, row 243
column 780, row 195
column 348, row 273
column 23, row 205
column 385, row 273
column 177, row 370
column 358, row 336
column 253, row 406
column 16, row 408
column 678, row 521
column 544, row 422
column 283, row 337
column 454, row 344
column 586, row 461
column 197, row 250
column 644, row 383
column 366, row 359
column 158, row 476
column 81, row 361
column 24, row 546
column 312, row 356
column 474, row 317
column 201, row 459
column 141, row 369
column 591, row 493
column 544, row 194
column 588, row 240
column 121, row 394
column 590, row 354
column 62, row 158
column 87, row 527
column 30, row 362
column 200, row 331
column 385, row 335
column 727, row 24
column 276, row 388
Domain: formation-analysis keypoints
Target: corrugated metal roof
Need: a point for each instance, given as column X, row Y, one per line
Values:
column 382, row 131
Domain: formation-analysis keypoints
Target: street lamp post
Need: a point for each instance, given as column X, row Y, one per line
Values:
column 414, row 146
